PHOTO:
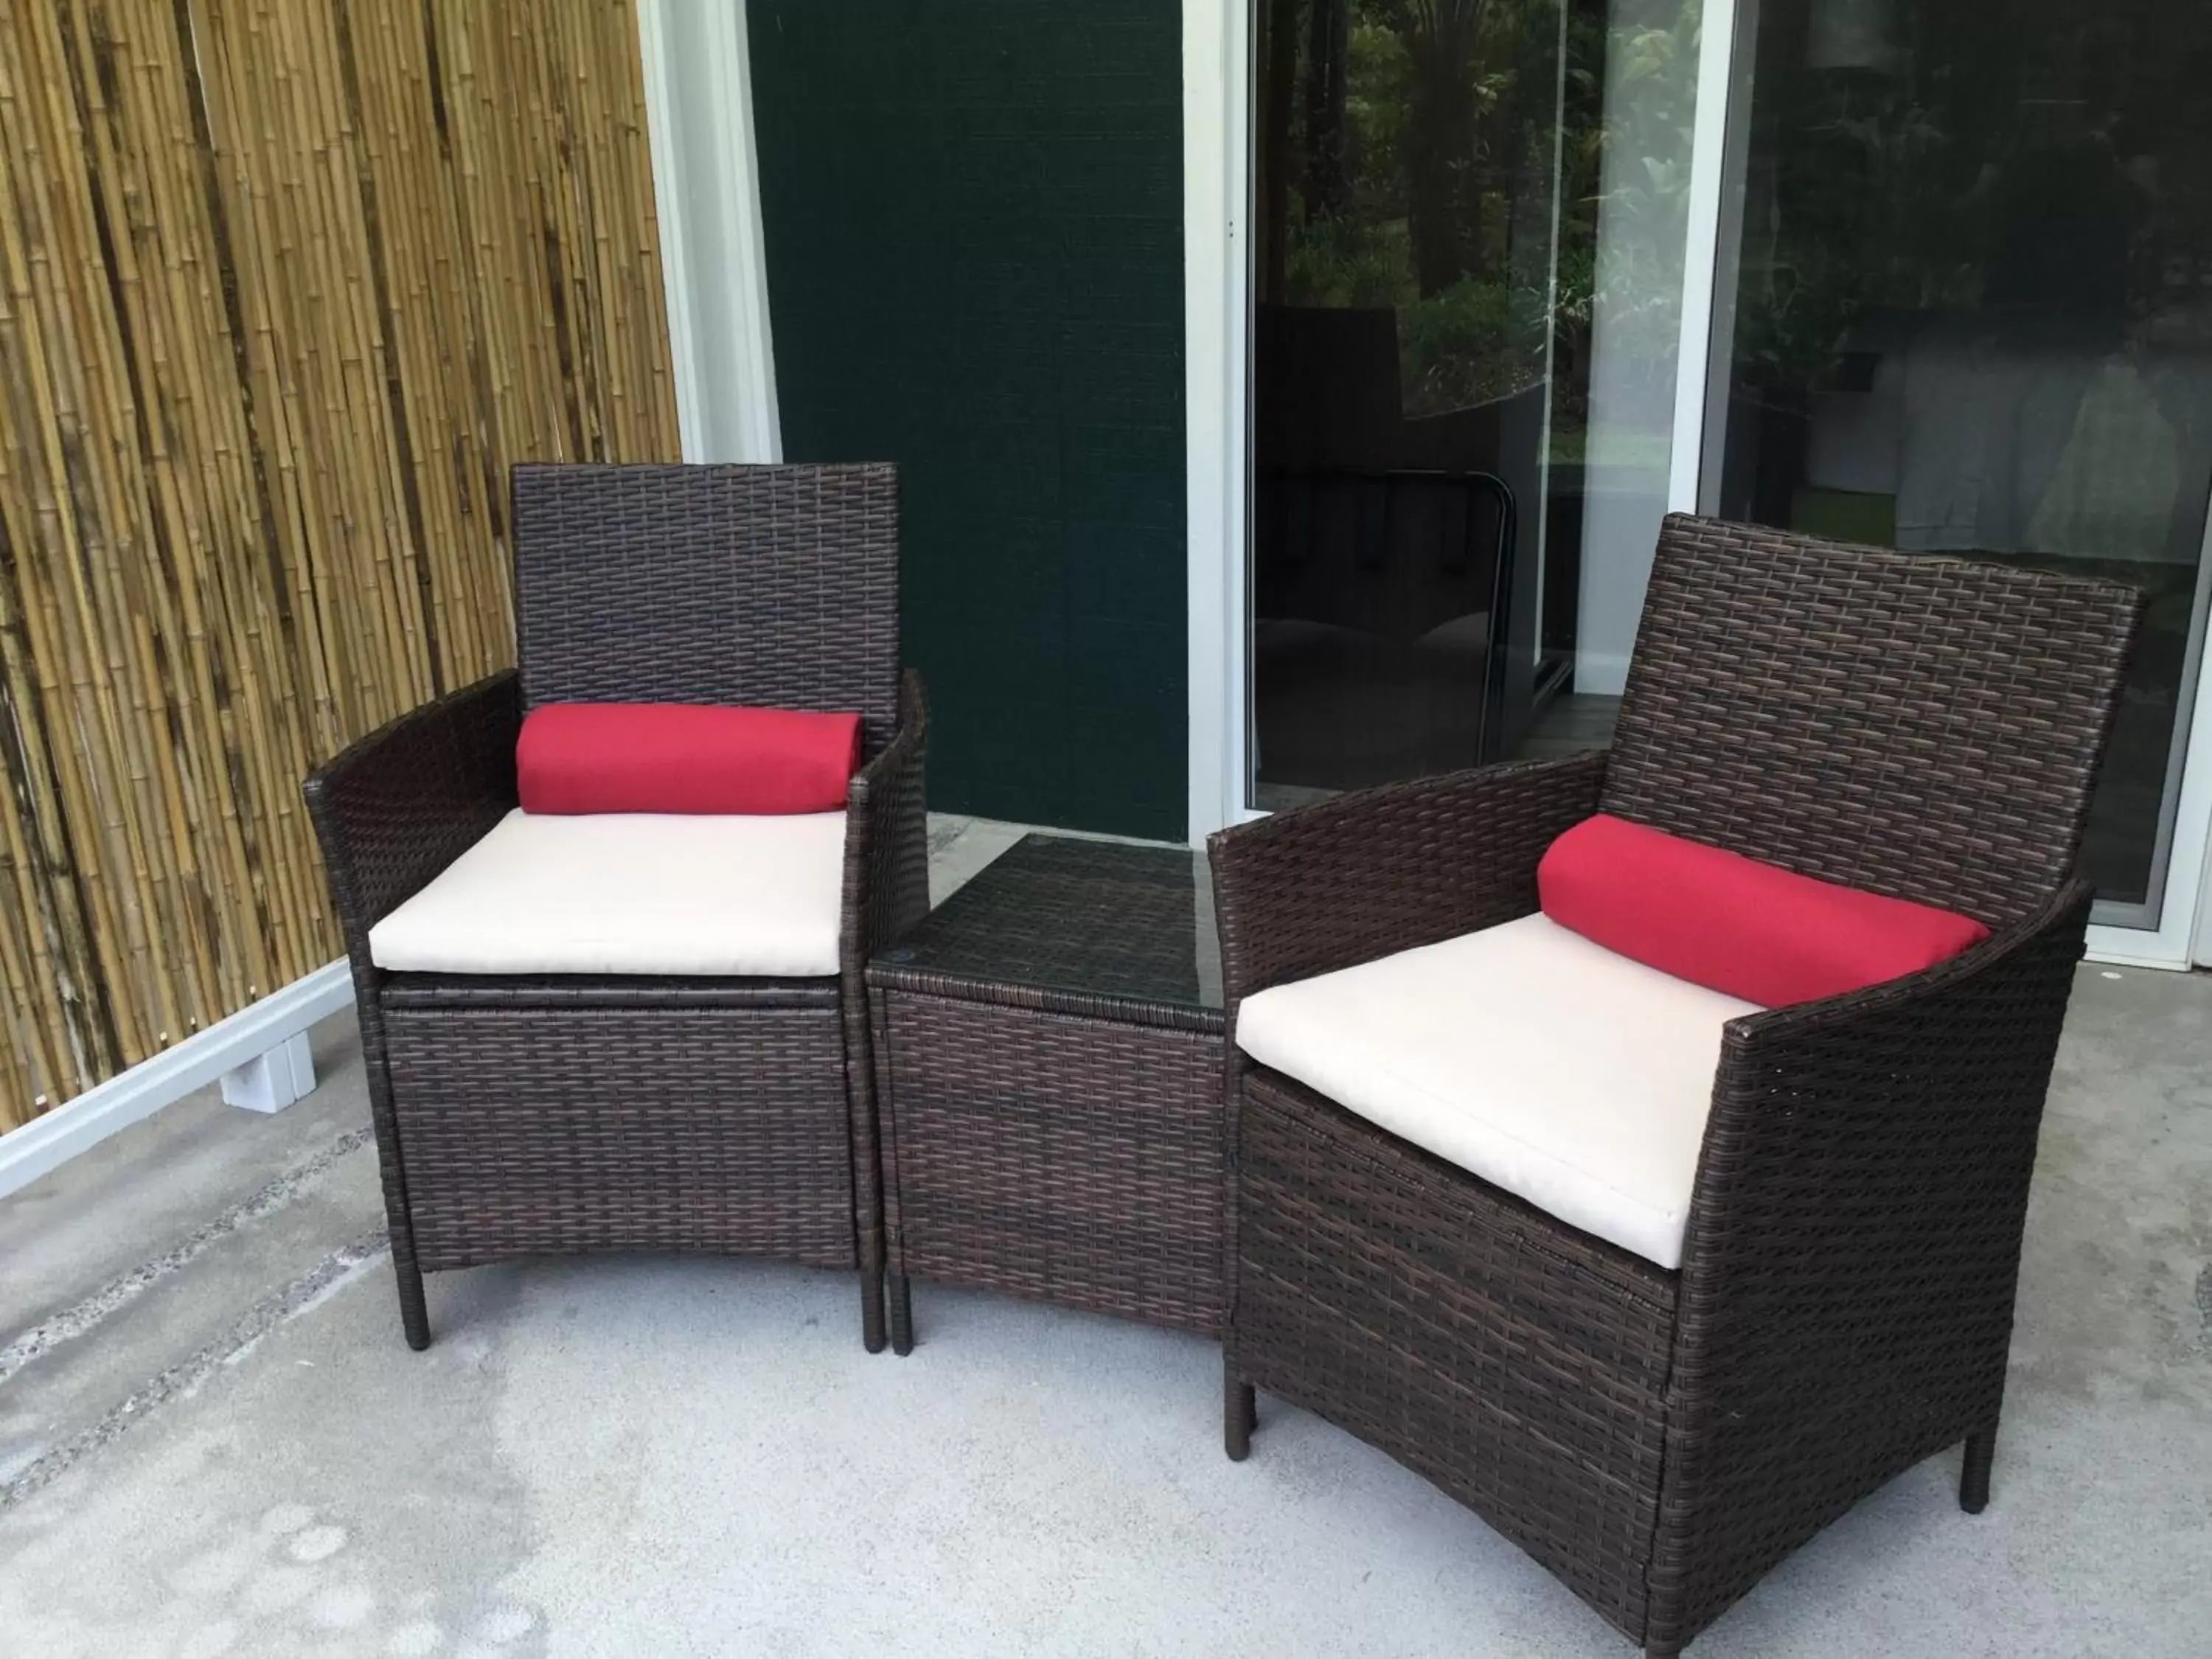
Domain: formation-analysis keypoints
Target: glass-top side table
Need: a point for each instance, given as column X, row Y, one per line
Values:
column 1048, row 1059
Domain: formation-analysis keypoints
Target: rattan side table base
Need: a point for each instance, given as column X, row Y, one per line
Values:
column 1048, row 1090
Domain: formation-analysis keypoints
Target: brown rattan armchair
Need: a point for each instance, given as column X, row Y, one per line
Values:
column 1929, row 728
column 541, row 1114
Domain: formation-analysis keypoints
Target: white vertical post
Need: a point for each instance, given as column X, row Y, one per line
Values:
column 1217, row 220
column 1728, row 257
column 706, row 183
column 2178, row 930
column 670, row 219
column 2202, row 952
column 1700, row 254
column 1624, row 490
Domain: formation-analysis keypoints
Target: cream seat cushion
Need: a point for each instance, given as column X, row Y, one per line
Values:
column 629, row 893
column 1525, row 1054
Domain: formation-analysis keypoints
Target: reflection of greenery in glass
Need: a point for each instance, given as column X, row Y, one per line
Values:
column 1473, row 342
column 1348, row 263
column 1431, row 193
column 1864, row 219
column 1411, row 206
column 1646, row 53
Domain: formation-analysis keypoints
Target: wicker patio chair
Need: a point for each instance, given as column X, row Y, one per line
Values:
column 521, row 1115
column 1659, row 1437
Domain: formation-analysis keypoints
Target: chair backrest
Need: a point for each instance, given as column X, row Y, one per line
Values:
column 769, row 585
column 1923, row 726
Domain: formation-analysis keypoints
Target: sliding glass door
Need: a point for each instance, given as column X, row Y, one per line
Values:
column 1468, row 222
column 1963, row 306
column 1958, row 260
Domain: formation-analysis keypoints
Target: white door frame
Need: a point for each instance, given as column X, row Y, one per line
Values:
column 2183, row 931
column 706, row 191
column 1217, row 199
column 1217, row 319
column 1701, row 249
column 2203, row 952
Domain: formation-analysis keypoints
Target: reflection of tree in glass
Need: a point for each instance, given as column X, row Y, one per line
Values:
column 1407, row 166
column 1414, row 151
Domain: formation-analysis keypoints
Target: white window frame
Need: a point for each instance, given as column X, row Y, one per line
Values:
column 2183, row 931
column 1217, row 185
column 706, row 190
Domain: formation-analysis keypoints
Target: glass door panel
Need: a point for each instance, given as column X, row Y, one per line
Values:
column 1468, row 224
column 1966, row 307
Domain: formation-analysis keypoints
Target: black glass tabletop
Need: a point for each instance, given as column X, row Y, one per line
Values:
column 1055, row 914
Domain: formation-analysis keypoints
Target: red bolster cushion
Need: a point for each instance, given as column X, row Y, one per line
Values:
column 1732, row 924
column 678, row 757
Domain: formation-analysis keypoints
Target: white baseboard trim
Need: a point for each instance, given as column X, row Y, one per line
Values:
column 49, row 1141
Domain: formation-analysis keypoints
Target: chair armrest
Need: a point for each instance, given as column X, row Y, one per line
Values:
column 1379, row 871
column 887, row 835
column 1981, row 1027
column 1923, row 1087
column 405, row 801
column 1853, row 1244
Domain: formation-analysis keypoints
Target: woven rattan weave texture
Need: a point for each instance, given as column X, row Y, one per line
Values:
column 813, row 548
column 1514, row 1359
column 1927, row 728
column 542, row 1132
column 542, row 1114
column 1048, row 1058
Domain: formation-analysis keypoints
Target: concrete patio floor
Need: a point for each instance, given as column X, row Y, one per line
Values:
column 213, row 1440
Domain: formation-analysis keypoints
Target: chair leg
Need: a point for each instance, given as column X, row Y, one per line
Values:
column 1239, row 1416
column 871, row 1309
column 414, row 1311
column 1974, row 1474
column 902, row 1301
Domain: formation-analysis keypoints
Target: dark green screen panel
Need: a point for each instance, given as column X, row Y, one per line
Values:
column 973, row 210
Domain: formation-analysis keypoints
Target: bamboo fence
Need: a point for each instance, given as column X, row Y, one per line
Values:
column 285, row 287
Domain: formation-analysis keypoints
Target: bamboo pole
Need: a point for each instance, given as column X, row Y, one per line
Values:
column 286, row 286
